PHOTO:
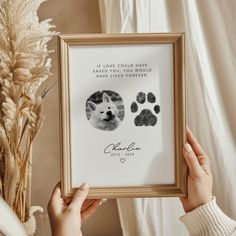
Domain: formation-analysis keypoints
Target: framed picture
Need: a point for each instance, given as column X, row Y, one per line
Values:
column 122, row 114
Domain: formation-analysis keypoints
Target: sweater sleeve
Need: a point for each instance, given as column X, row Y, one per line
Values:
column 209, row 220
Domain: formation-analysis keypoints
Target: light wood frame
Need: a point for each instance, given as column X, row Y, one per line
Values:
column 177, row 39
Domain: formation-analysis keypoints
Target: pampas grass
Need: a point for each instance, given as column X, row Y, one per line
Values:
column 24, row 66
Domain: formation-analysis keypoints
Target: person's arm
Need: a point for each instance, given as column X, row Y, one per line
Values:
column 66, row 216
column 203, row 216
column 209, row 220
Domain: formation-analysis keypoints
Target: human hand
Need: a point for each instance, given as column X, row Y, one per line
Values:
column 199, row 178
column 66, row 216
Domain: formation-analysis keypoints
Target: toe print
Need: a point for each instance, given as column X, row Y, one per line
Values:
column 151, row 98
column 141, row 97
column 134, row 107
column 146, row 117
column 157, row 109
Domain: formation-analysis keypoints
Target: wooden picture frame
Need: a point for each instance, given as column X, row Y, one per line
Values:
column 92, row 66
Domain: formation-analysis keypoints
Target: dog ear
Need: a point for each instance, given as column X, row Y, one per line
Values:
column 92, row 106
column 106, row 98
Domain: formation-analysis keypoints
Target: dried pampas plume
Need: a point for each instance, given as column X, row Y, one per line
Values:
column 24, row 66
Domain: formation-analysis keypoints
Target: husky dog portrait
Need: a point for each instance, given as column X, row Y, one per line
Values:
column 104, row 116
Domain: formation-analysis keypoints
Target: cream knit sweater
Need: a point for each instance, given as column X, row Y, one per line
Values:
column 209, row 220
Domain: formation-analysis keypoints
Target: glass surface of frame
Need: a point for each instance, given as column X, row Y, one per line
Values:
column 122, row 114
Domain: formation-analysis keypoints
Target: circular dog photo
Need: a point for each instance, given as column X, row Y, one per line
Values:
column 105, row 110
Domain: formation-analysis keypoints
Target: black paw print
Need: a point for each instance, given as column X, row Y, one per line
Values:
column 145, row 117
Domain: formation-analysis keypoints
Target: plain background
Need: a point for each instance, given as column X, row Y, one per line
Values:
column 71, row 16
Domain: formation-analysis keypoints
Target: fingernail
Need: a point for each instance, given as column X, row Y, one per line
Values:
column 187, row 148
column 104, row 200
column 84, row 186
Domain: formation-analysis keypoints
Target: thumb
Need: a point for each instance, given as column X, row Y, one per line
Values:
column 192, row 161
column 79, row 197
column 56, row 202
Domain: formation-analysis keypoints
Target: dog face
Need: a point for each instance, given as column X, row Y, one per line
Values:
column 105, row 111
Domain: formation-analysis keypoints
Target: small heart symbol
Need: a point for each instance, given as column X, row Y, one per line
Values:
column 122, row 160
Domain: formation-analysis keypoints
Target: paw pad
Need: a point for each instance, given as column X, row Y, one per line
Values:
column 141, row 98
column 145, row 117
column 151, row 98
